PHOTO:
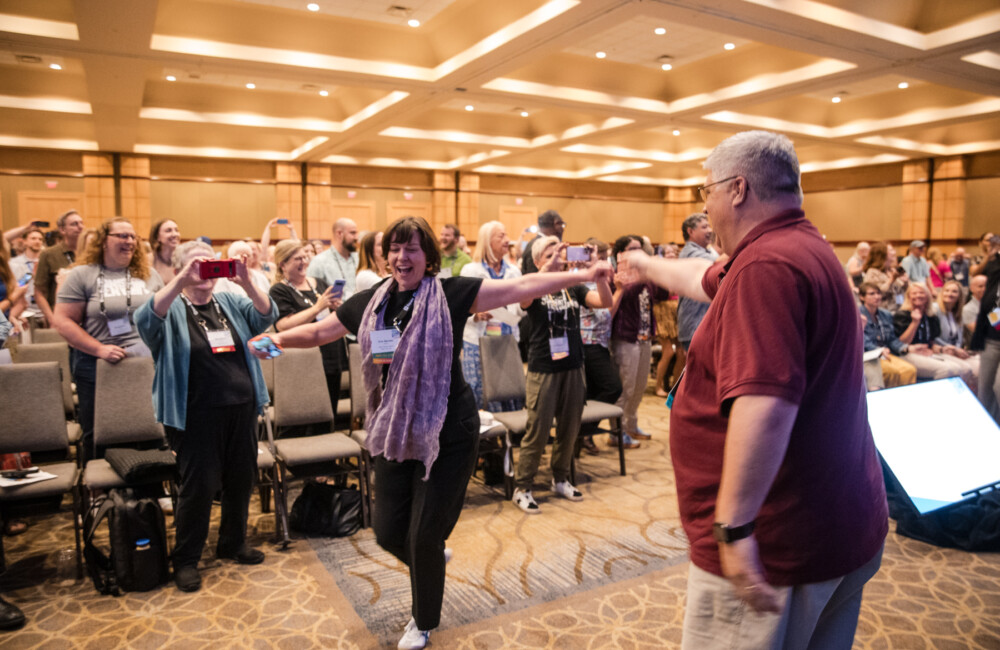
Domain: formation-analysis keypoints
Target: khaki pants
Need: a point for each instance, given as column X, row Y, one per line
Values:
column 896, row 372
column 557, row 395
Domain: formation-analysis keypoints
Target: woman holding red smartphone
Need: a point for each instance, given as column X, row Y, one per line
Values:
column 207, row 393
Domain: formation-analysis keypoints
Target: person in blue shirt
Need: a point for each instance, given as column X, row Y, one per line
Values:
column 881, row 333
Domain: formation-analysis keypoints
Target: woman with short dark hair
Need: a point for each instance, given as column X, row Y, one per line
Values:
column 421, row 417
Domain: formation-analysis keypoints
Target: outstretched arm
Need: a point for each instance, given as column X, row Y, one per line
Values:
column 497, row 293
column 680, row 276
column 310, row 335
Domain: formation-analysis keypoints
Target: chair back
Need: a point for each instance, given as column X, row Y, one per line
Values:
column 359, row 398
column 300, row 392
column 31, row 408
column 46, row 336
column 58, row 352
column 123, row 403
column 503, row 372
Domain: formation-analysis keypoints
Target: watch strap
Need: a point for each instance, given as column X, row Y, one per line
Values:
column 726, row 534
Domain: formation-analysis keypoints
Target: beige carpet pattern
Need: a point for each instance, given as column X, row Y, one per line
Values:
column 595, row 574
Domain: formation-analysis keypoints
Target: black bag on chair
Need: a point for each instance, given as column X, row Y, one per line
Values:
column 326, row 510
column 141, row 466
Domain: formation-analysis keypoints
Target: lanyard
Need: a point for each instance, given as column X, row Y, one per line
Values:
column 302, row 295
column 70, row 256
column 494, row 275
column 340, row 267
column 128, row 291
column 201, row 321
column 397, row 322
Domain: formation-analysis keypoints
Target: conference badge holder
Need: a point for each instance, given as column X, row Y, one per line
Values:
column 221, row 341
column 384, row 344
column 559, row 347
column 119, row 326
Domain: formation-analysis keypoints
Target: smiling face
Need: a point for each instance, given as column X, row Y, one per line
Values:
column 918, row 296
column 408, row 262
column 120, row 245
column 34, row 241
column 294, row 267
column 701, row 234
column 169, row 235
column 951, row 293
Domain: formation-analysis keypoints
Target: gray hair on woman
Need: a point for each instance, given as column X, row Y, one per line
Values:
column 484, row 251
column 185, row 249
column 538, row 248
column 766, row 160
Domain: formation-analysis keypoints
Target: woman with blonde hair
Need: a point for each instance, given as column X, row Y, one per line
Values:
column 95, row 306
column 918, row 328
column 302, row 299
column 949, row 308
column 488, row 262
column 371, row 264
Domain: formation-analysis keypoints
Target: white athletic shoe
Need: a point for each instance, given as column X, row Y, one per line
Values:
column 413, row 639
column 566, row 490
column 526, row 502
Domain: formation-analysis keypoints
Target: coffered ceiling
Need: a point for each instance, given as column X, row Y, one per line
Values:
column 617, row 90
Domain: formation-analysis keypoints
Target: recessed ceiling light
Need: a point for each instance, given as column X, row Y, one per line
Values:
column 666, row 66
column 324, row 93
column 903, row 85
column 251, row 86
column 677, row 132
column 171, row 77
column 413, row 22
column 55, row 66
column 524, row 113
column 601, row 55
column 730, row 46
column 470, row 107
column 836, row 100
column 312, row 6
column 660, row 31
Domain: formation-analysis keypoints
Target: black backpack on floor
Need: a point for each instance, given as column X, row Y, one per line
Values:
column 137, row 560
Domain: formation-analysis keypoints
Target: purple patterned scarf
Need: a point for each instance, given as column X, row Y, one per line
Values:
column 404, row 422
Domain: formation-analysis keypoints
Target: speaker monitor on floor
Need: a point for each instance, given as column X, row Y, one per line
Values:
column 939, row 449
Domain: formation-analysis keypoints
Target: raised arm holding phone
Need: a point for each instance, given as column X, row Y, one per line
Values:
column 207, row 393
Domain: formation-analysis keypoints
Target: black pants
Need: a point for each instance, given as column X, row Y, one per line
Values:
column 217, row 451
column 603, row 382
column 413, row 517
column 84, row 371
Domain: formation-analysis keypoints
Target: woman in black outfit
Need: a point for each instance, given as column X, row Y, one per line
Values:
column 302, row 299
column 421, row 416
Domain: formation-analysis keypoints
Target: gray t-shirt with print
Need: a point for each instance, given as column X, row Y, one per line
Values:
column 81, row 285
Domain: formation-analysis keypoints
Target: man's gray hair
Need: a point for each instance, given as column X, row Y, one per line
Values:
column 185, row 249
column 766, row 160
column 692, row 222
column 61, row 221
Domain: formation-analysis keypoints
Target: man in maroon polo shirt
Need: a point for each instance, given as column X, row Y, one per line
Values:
column 780, row 489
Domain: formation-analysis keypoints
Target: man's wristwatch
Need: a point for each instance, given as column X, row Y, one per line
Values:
column 726, row 534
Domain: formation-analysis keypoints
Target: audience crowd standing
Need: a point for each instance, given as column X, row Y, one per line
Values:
column 586, row 334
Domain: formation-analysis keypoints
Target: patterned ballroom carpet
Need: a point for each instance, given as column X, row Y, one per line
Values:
column 608, row 572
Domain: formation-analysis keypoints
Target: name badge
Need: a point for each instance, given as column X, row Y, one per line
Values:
column 384, row 344
column 994, row 318
column 119, row 326
column 323, row 314
column 445, row 273
column 899, row 299
column 221, row 341
column 559, row 347
column 494, row 329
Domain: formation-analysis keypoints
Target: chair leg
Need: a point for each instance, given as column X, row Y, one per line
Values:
column 281, row 510
column 616, row 424
column 77, row 532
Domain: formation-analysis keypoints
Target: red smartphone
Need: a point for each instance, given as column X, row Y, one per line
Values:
column 217, row 269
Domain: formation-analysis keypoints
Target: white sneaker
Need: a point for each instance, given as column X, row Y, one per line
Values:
column 526, row 502
column 413, row 639
column 566, row 490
